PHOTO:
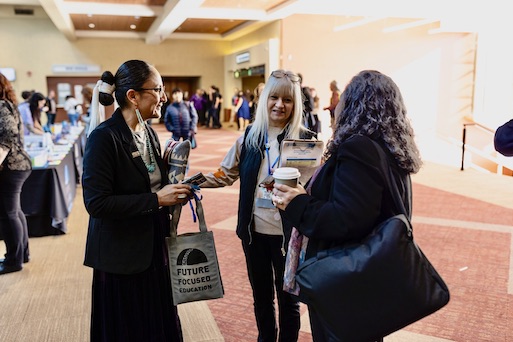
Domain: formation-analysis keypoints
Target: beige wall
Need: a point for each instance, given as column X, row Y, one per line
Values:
column 263, row 46
column 434, row 72
column 36, row 45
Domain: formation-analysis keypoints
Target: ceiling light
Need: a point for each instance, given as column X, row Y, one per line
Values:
column 89, row 15
column 133, row 26
column 91, row 25
column 216, row 29
column 137, row 17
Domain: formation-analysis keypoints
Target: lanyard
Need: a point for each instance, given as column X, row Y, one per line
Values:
column 269, row 166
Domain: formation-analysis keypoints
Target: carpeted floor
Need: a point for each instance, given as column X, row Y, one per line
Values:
column 462, row 220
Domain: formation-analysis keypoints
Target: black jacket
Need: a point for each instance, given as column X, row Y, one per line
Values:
column 349, row 197
column 118, row 198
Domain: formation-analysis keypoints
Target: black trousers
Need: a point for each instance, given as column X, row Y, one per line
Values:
column 213, row 115
column 266, row 263
column 12, row 219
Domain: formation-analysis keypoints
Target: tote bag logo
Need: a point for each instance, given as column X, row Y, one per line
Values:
column 195, row 273
column 191, row 256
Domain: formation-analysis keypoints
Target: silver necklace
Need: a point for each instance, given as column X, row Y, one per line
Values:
column 151, row 166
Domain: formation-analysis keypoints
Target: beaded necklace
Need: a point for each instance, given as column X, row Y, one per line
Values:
column 153, row 163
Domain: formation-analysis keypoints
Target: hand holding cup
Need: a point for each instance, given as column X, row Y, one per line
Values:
column 286, row 186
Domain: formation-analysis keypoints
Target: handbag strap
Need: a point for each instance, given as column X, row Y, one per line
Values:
column 199, row 213
column 392, row 184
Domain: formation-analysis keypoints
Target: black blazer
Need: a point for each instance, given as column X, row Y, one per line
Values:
column 349, row 197
column 118, row 198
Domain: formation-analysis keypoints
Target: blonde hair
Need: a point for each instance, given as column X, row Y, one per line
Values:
column 283, row 86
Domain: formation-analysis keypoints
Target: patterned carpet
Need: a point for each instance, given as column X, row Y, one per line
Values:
column 462, row 220
column 467, row 239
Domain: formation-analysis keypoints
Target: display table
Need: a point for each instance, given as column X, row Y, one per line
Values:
column 48, row 193
column 47, row 196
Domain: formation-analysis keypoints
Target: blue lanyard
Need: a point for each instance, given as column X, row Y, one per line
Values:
column 269, row 166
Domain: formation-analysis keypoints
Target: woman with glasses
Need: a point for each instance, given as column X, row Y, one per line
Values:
column 127, row 196
column 253, row 158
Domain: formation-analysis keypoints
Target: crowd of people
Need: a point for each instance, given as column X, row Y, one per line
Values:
column 131, row 282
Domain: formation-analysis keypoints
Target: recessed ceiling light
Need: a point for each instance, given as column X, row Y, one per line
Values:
column 133, row 27
column 216, row 29
column 91, row 25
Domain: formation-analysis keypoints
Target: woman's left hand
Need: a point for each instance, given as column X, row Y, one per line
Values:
column 284, row 194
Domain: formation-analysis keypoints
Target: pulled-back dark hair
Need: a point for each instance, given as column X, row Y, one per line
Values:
column 131, row 75
column 372, row 105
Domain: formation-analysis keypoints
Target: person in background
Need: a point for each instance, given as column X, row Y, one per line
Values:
column 233, row 112
column 181, row 118
column 200, row 104
column 26, row 94
column 51, row 108
column 71, row 107
column 253, row 158
column 127, row 195
column 257, row 91
column 308, row 119
column 335, row 96
column 349, row 194
column 87, row 95
column 30, row 112
column 252, row 106
column 242, row 110
column 15, row 168
column 215, row 105
column 315, row 111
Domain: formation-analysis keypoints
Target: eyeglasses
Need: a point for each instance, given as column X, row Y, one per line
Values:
column 280, row 74
column 161, row 90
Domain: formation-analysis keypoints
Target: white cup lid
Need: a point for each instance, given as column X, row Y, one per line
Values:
column 286, row 173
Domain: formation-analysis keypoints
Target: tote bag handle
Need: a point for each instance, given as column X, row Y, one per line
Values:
column 199, row 213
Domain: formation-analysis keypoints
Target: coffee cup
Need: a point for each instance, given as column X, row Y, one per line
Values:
column 286, row 175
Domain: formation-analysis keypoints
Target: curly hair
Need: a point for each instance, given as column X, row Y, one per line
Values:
column 6, row 90
column 372, row 105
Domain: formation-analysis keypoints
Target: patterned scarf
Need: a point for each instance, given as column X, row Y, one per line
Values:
column 296, row 251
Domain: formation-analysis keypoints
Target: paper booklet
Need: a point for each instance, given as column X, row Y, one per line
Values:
column 303, row 154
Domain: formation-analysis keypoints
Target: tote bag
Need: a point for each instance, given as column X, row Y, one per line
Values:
column 364, row 291
column 193, row 263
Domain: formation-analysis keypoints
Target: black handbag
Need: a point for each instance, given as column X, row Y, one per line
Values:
column 367, row 290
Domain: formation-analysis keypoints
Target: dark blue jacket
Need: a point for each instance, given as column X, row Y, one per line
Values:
column 249, row 167
column 178, row 120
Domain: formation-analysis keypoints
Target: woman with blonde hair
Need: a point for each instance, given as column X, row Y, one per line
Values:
column 254, row 157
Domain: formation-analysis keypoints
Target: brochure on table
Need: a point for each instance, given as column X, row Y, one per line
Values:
column 51, row 148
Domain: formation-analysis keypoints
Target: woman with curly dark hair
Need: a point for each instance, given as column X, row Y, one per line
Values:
column 349, row 195
column 15, row 167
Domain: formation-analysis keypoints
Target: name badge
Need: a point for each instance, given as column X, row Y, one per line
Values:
column 264, row 199
column 264, row 203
